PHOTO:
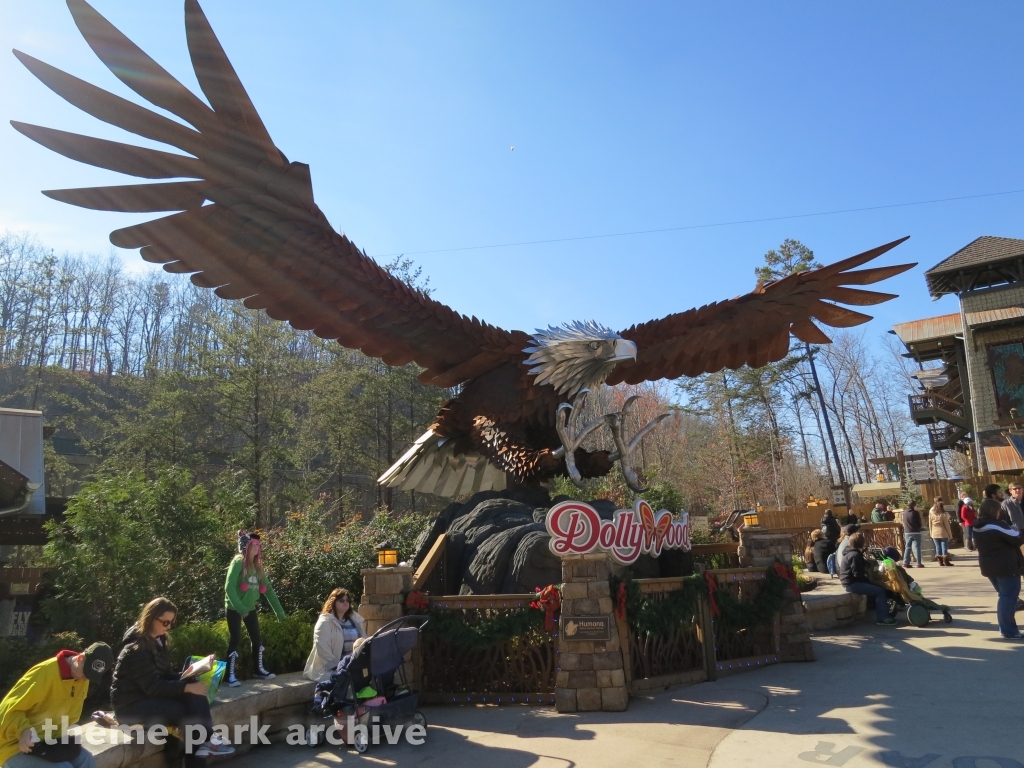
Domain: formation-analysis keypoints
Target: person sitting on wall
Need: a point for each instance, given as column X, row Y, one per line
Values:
column 878, row 513
column 49, row 691
column 851, row 518
column 821, row 548
column 147, row 692
column 853, row 575
column 337, row 628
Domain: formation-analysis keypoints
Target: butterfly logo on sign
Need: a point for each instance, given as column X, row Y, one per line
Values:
column 654, row 532
column 576, row 528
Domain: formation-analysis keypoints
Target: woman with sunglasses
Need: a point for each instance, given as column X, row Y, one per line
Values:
column 147, row 692
column 337, row 628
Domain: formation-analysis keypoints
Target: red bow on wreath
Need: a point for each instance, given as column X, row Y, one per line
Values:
column 416, row 601
column 712, row 588
column 548, row 600
column 789, row 575
column 620, row 601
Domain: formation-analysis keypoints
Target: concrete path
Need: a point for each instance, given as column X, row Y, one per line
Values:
column 944, row 696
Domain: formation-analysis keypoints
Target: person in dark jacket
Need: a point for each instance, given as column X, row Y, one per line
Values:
column 853, row 575
column 912, row 534
column 1001, row 561
column 830, row 527
column 821, row 548
column 146, row 692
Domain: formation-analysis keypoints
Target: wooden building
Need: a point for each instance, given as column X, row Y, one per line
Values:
column 965, row 402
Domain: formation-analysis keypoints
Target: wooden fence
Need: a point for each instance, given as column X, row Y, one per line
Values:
column 699, row 648
column 520, row 670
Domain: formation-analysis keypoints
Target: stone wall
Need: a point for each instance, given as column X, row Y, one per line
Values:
column 590, row 673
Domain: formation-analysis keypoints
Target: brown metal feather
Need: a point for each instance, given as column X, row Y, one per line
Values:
column 135, row 198
column 112, row 155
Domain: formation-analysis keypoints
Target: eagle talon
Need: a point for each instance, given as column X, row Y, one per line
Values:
column 566, row 424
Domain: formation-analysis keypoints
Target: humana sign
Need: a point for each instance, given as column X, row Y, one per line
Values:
column 576, row 529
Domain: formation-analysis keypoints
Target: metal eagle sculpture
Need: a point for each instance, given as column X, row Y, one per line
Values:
column 246, row 226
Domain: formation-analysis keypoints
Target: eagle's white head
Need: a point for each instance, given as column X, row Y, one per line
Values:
column 576, row 355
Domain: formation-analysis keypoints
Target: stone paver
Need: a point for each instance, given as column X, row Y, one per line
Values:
column 943, row 696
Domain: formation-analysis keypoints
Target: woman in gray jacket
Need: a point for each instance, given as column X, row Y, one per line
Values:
column 337, row 628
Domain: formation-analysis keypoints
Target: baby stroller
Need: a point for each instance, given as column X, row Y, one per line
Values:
column 896, row 584
column 374, row 665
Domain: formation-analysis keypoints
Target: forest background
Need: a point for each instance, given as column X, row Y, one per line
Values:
column 200, row 417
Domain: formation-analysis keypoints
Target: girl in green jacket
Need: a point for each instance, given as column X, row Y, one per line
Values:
column 245, row 582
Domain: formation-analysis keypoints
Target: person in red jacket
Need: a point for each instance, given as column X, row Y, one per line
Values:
column 967, row 518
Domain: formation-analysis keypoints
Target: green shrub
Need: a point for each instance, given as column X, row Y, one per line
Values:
column 17, row 656
column 287, row 643
column 305, row 560
column 127, row 539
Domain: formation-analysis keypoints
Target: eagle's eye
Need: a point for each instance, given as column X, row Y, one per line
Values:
column 594, row 345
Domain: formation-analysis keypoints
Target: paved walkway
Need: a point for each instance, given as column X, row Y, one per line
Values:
column 940, row 696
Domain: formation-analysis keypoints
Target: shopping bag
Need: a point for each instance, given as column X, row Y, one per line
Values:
column 211, row 677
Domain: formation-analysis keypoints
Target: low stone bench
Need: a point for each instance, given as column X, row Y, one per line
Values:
column 827, row 608
column 279, row 703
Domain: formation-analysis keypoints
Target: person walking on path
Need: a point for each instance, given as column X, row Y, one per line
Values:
column 853, row 575
column 939, row 530
column 245, row 582
column 334, row 636
column 147, row 692
column 1001, row 561
column 32, row 711
column 912, row 534
column 1013, row 507
column 967, row 518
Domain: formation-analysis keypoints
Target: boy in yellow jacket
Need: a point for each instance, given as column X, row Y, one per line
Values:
column 31, row 713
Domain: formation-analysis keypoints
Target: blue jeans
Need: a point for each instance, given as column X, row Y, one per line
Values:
column 911, row 540
column 881, row 601
column 21, row 760
column 941, row 547
column 968, row 536
column 1008, row 588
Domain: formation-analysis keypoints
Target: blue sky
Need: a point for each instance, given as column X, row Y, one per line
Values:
column 624, row 117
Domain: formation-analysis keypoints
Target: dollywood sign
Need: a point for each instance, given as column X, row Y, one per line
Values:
column 576, row 529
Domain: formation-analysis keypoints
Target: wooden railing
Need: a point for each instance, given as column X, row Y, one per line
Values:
column 932, row 401
column 520, row 670
column 432, row 574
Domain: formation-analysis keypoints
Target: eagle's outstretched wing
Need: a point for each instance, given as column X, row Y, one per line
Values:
column 754, row 329
column 247, row 225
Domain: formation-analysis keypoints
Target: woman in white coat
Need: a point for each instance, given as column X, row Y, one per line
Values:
column 337, row 628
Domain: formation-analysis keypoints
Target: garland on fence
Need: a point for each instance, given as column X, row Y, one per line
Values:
column 449, row 624
column 660, row 617
column 733, row 614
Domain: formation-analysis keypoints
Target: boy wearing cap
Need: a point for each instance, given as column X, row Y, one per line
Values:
column 32, row 711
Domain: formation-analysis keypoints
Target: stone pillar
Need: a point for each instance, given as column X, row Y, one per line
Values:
column 590, row 673
column 759, row 548
column 384, row 592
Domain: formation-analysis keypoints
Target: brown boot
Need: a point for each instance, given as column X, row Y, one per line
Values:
column 941, row 559
column 948, row 561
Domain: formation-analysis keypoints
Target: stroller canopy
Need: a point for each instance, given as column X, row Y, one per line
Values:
column 391, row 642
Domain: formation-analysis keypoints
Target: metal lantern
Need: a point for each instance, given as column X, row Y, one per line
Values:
column 750, row 519
column 387, row 555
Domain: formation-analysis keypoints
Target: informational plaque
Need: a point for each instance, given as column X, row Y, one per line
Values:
column 586, row 627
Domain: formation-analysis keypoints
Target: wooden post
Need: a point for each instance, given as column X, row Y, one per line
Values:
column 706, row 632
